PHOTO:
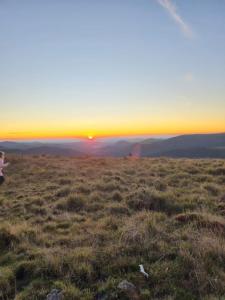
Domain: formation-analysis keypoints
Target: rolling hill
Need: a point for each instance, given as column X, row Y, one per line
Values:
column 190, row 146
column 195, row 145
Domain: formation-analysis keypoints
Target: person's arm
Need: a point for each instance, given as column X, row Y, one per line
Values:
column 2, row 161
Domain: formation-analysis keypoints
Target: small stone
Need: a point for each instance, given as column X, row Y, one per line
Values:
column 129, row 289
column 55, row 295
column 126, row 285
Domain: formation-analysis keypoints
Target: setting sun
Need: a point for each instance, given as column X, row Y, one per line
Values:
column 90, row 137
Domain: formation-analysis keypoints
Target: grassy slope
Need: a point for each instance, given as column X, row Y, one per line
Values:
column 83, row 225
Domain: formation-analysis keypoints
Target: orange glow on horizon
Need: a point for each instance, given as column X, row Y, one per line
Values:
column 104, row 134
column 103, row 127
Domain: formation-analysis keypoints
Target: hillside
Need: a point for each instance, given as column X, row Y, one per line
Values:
column 194, row 145
column 83, row 225
column 36, row 148
column 187, row 146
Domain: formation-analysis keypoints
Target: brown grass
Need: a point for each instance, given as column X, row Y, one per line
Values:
column 82, row 225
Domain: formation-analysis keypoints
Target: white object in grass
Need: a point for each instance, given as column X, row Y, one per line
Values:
column 142, row 270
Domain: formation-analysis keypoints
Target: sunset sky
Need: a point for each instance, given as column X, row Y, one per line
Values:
column 71, row 68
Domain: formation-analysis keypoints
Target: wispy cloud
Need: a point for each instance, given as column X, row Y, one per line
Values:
column 169, row 6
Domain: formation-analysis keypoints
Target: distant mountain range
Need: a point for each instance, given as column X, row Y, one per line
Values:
column 195, row 145
column 190, row 146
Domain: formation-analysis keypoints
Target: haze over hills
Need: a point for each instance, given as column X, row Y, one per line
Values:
column 193, row 146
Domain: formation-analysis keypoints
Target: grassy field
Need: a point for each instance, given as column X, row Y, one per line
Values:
column 82, row 225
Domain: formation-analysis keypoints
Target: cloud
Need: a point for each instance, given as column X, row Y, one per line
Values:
column 172, row 10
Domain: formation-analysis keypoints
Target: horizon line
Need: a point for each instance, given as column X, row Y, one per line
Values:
column 110, row 136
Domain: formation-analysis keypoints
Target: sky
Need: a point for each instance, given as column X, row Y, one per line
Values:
column 78, row 68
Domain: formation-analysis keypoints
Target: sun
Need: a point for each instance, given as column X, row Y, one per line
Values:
column 90, row 137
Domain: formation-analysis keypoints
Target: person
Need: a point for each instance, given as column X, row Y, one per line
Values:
column 2, row 166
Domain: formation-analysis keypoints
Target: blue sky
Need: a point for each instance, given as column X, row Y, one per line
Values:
column 111, row 67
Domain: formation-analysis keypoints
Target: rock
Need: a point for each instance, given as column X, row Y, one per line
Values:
column 126, row 285
column 102, row 297
column 55, row 295
column 129, row 289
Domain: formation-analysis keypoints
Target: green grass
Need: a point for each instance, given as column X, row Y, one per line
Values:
column 82, row 225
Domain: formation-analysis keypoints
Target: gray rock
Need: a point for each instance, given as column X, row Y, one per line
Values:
column 129, row 289
column 102, row 297
column 55, row 295
column 126, row 285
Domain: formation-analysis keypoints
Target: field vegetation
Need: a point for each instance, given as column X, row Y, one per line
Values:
column 83, row 225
